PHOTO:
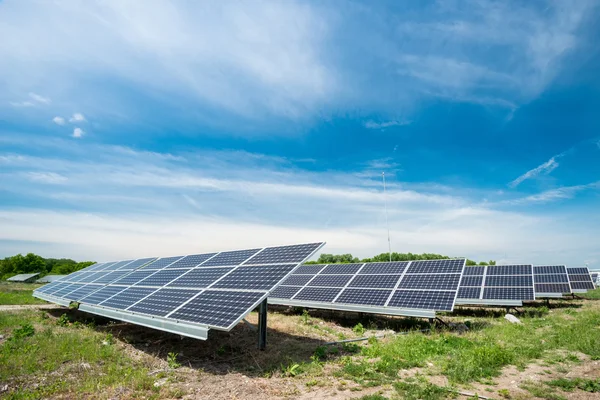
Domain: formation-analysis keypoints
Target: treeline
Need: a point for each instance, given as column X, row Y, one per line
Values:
column 31, row 263
column 348, row 258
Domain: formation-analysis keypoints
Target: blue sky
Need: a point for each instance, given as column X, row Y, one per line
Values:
column 179, row 127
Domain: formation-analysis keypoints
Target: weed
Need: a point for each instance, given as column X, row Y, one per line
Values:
column 350, row 347
column 108, row 339
column 359, row 329
column 221, row 350
column 63, row 320
column 305, row 317
column 537, row 390
column 373, row 397
column 504, row 393
column 172, row 361
column 420, row 389
column 291, row 370
column 24, row 331
column 568, row 385
column 320, row 353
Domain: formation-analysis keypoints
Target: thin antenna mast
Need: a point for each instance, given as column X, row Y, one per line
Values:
column 387, row 222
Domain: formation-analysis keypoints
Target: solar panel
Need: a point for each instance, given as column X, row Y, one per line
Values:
column 550, row 281
column 415, row 288
column 594, row 276
column 23, row 278
column 184, row 294
column 496, row 285
column 580, row 279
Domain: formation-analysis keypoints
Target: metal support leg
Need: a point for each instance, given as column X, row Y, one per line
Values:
column 262, row 325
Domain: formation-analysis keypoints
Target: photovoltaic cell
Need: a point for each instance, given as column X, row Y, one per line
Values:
column 375, row 281
column 509, row 270
column 117, row 265
column 436, row 266
column 297, row 280
column 83, row 291
column 134, row 277
column 549, row 269
column 285, row 292
column 371, row 297
column 110, row 277
column 469, row 292
column 518, row 281
column 423, row 299
column 395, row 267
column 317, row 294
column 138, row 263
column 427, row 281
column 217, row 308
column 551, row 278
column 474, row 271
column 578, row 271
column 331, row 280
column 161, row 278
column 552, row 288
column 284, row 254
column 200, row 277
column 102, row 294
column 163, row 301
column 190, row 261
column 580, row 278
column 508, row 293
column 161, row 262
column 581, row 285
column 471, row 281
column 127, row 297
column 257, row 277
column 339, row 269
column 309, row 269
column 230, row 258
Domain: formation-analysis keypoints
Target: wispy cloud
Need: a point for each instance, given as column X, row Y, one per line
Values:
column 544, row 168
column 40, row 98
column 58, row 120
column 370, row 124
column 77, row 117
column 561, row 193
column 46, row 177
column 78, row 132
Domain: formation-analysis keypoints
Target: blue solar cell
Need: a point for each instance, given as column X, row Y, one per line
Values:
column 162, row 277
column 513, row 281
column 508, row 293
column 134, row 277
column 163, row 301
column 161, row 262
column 559, row 288
column 549, row 269
column 577, row 271
column 137, row 263
column 375, row 281
column 127, row 297
column 582, row 285
column 230, row 258
column 262, row 277
column 110, row 277
column 82, row 292
column 509, row 270
column 471, row 281
column 469, row 293
column 284, row 292
column 309, row 269
column 436, row 267
column 423, row 299
column 325, row 295
column 386, row 268
column 200, row 277
column 330, row 280
column 557, row 278
column 284, row 254
column 102, row 294
column 474, row 271
column 297, row 280
column 340, row 269
column 191, row 261
column 428, row 281
column 368, row 297
column 217, row 308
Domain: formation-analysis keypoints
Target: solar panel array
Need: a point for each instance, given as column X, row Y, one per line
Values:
column 496, row 285
column 594, row 276
column 551, row 281
column 214, row 290
column 23, row 277
column 401, row 288
column 580, row 279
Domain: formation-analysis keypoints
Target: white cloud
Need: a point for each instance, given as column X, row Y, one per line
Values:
column 21, row 103
column 77, row 117
column 58, row 120
column 544, row 168
column 561, row 193
column 384, row 124
column 39, row 98
column 78, row 132
column 46, row 177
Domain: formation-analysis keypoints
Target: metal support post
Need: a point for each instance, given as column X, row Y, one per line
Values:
column 262, row 325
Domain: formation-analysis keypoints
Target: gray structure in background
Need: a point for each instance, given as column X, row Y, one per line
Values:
column 24, row 278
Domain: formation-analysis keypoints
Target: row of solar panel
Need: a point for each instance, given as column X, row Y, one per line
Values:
column 204, row 289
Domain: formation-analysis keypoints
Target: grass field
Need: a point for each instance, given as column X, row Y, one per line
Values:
column 63, row 353
column 18, row 293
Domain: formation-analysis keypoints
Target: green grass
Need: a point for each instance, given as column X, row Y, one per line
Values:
column 591, row 294
column 18, row 293
column 570, row 384
column 420, row 389
column 71, row 361
column 480, row 354
column 537, row 389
